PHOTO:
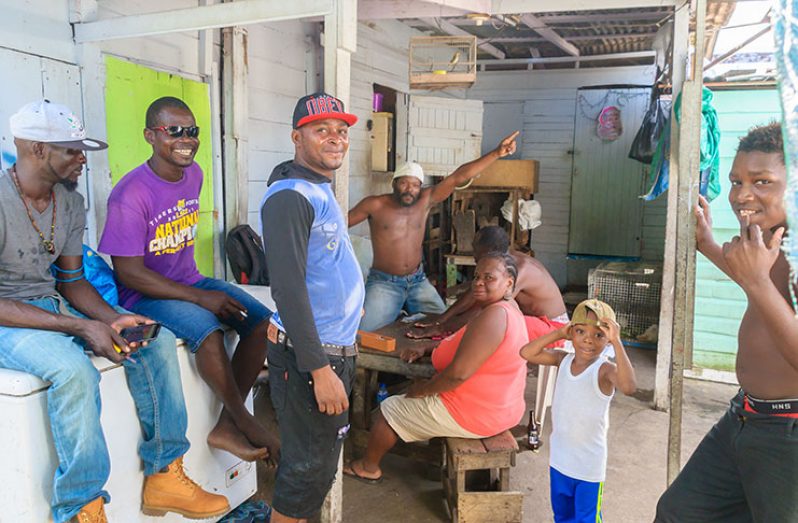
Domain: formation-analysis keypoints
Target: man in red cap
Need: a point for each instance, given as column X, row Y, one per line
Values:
column 318, row 288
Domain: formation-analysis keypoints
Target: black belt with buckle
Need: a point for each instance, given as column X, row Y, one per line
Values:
column 788, row 406
column 330, row 349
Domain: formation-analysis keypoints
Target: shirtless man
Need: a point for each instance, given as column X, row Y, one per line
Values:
column 536, row 291
column 746, row 468
column 396, row 221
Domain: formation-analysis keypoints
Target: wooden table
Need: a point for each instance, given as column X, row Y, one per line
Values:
column 370, row 362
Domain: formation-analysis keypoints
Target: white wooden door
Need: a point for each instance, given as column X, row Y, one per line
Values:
column 443, row 133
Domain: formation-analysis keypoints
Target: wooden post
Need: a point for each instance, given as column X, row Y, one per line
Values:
column 235, row 106
column 664, row 345
column 689, row 158
column 340, row 41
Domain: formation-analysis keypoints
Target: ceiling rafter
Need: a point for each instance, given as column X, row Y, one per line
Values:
column 451, row 29
column 533, row 22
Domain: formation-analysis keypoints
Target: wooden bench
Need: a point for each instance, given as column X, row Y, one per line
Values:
column 462, row 459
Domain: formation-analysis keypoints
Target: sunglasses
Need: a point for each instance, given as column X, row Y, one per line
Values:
column 176, row 131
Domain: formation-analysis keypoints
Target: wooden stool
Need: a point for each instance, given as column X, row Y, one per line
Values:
column 495, row 455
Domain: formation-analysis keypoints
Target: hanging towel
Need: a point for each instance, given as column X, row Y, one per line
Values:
column 709, row 182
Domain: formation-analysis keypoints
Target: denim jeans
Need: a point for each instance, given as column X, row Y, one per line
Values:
column 73, row 405
column 387, row 295
column 745, row 470
column 193, row 324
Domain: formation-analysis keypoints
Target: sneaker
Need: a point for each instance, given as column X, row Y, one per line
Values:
column 173, row 491
column 93, row 512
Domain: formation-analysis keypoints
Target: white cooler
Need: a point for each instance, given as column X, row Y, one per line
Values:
column 28, row 459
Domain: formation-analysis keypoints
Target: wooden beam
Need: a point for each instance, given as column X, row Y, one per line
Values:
column 448, row 28
column 567, row 59
column 501, row 7
column 474, row 6
column 242, row 12
column 533, row 22
column 683, row 308
column 393, row 9
column 235, row 110
column 522, row 40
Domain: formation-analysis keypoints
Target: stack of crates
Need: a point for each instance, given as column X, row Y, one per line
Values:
column 632, row 290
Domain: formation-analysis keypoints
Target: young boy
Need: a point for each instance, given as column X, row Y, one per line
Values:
column 585, row 386
column 746, row 468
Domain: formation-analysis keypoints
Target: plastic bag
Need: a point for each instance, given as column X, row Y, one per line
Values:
column 645, row 143
column 100, row 275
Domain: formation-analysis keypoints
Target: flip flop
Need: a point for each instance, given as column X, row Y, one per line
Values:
column 350, row 471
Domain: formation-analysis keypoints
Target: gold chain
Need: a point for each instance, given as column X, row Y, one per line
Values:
column 48, row 244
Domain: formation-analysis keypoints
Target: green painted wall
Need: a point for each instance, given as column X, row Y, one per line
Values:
column 720, row 303
column 129, row 89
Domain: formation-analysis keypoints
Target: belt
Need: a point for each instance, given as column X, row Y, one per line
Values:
column 786, row 406
column 330, row 349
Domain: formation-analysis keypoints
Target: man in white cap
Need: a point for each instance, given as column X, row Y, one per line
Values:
column 49, row 321
column 396, row 280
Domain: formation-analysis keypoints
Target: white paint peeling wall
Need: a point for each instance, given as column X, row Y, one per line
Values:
column 278, row 77
column 549, row 99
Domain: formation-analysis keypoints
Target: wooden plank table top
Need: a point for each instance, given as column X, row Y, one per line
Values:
column 390, row 361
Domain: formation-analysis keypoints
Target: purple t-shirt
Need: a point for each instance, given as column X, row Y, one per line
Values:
column 151, row 217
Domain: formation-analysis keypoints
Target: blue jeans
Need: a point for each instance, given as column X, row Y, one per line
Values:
column 73, row 405
column 387, row 295
column 193, row 324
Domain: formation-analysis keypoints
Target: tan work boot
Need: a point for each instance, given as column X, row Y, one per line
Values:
column 92, row 512
column 173, row 491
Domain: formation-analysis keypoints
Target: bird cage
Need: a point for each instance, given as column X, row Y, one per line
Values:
column 442, row 61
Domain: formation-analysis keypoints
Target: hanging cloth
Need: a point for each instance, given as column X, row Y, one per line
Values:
column 709, row 164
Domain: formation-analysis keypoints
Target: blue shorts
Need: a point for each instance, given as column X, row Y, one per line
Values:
column 193, row 324
column 574, row 500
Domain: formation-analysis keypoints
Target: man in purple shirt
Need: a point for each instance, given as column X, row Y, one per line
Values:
column 153, row 214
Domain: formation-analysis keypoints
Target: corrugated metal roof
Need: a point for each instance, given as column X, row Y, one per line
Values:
column 598, row 32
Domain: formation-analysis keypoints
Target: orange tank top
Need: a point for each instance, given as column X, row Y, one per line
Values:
column 492, row 399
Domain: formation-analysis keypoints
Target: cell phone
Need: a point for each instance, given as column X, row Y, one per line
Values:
column 141, row 333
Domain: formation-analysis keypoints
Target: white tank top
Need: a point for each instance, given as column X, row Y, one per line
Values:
column 580, row 419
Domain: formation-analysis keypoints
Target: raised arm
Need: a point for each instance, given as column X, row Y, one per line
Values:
column 621, row 375
column 480, row 340
column 361, row 211
column 472, row 169
column 536, row 352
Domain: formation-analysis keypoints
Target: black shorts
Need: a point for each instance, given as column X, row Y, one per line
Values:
column 745, row 470
column 311, row 441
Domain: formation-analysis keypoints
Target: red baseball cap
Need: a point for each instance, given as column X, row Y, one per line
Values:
column 320, row 106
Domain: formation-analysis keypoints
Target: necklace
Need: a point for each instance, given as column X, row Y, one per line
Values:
column 48, row 244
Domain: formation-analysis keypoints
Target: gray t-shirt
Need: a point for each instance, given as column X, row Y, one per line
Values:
column 24, row 261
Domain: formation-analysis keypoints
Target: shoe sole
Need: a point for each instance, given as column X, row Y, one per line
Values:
column 162, row 511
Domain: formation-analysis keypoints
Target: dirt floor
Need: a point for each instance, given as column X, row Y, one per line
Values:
column 412, row 492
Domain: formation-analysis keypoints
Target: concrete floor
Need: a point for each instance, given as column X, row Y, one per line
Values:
column 412, row 492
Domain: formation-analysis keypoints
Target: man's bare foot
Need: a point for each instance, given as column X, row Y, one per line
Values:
column 257, row 435
column 226, row 436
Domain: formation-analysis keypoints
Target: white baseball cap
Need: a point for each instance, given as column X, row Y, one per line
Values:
column 411, row 169
column 44, row 121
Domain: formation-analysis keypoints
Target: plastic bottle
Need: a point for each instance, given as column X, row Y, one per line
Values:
column 533, row 433
column 382, row 393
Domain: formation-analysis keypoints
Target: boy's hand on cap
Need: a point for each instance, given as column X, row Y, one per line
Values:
column 565, row 331
column 611, row 329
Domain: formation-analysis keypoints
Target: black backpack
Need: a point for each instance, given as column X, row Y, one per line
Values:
column 246, row 256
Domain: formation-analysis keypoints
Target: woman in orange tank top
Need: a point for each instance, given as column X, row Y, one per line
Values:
column 478, row 390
